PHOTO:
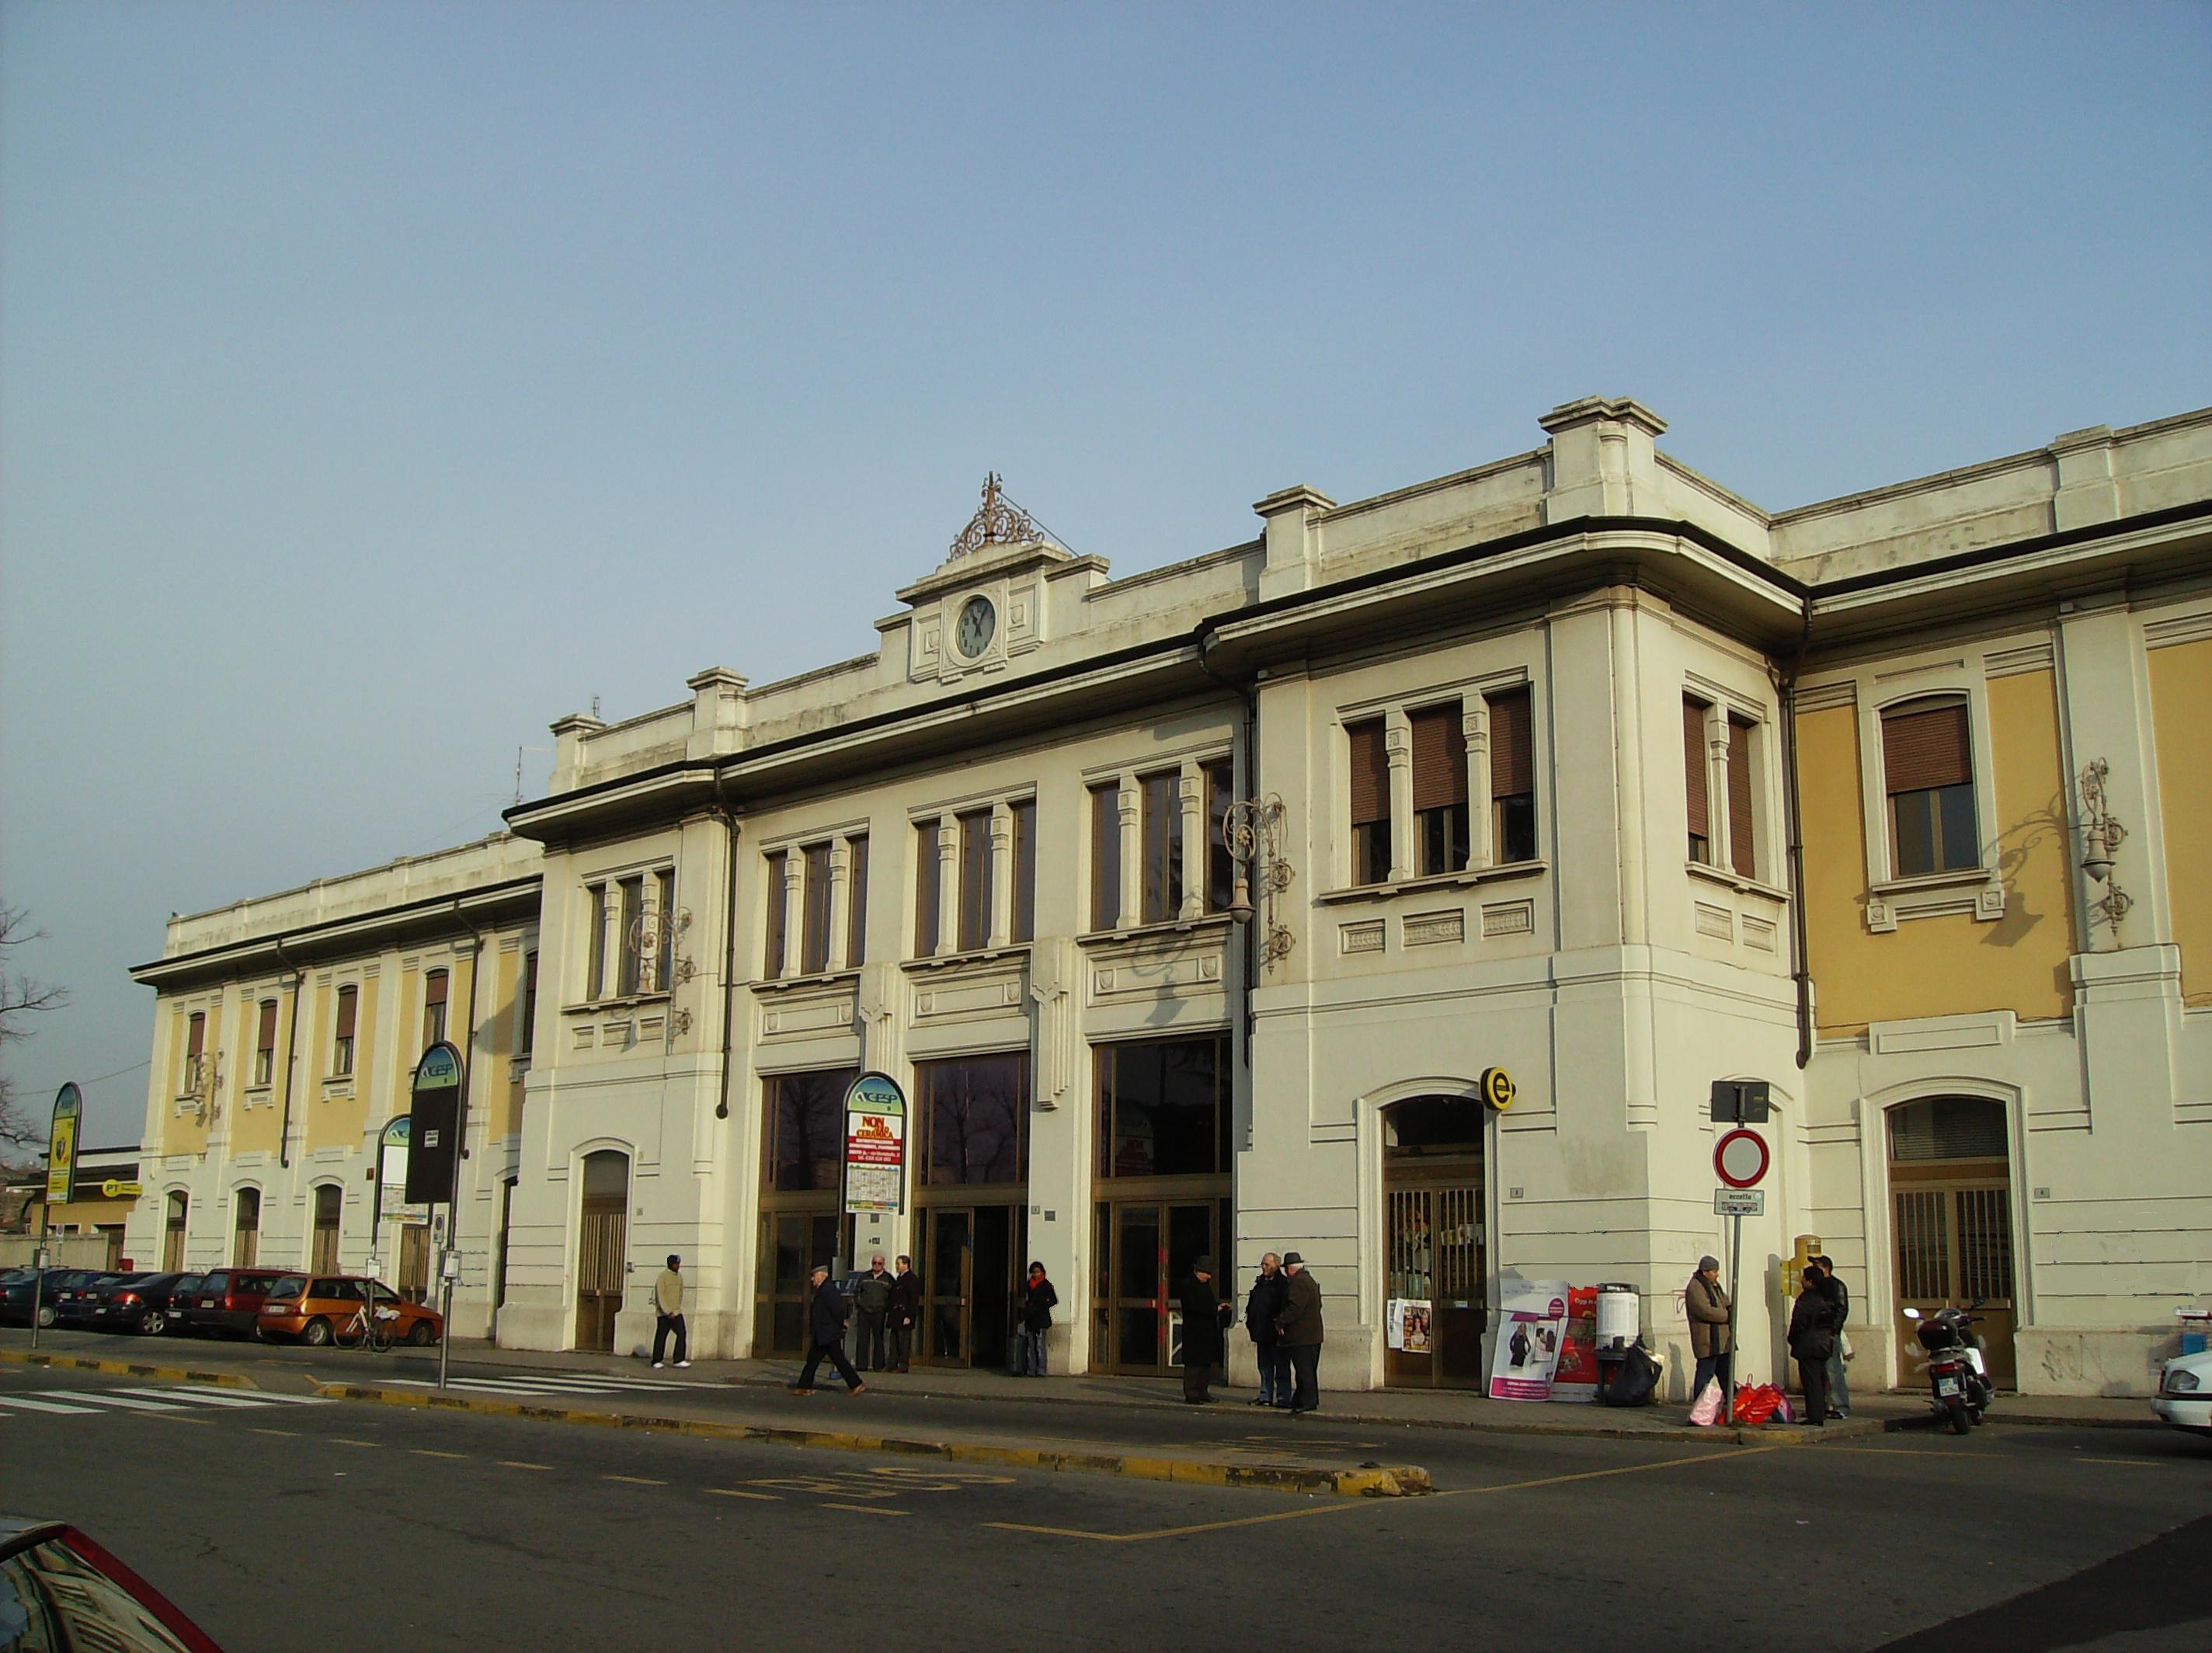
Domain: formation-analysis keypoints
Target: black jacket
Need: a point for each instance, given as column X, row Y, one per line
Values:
column 1812, row 1325
column 1840, row 1295
column 1037, row 1302
column 826, row 1316
column 1204, row 1316
column 1264, row 1303
column 906, row 1299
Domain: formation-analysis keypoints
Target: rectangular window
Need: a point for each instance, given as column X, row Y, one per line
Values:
column 595, row 974
column 1694, row 784
column 1440, row 820
column 1742, row 841
column 772, row 948
column 926, row 869
column 1220, row 864
column 264, row 1044
column 632, row 937
column 528, row 1041
column 1025, row 917
column 664, row 928
column 1927, row 770
column 1161, row 816
column 974, row 1118
column 974, row 925
column 1106, row 855
column 195, row 1054
column 805, row 1116
column 1163, row 1108
column 856, row 898
column 814, row 938
column 433, row 1007
column 1369, row 784
column 342, row 1042
column 1512, row 779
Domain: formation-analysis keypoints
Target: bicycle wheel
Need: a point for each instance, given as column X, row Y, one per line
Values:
column 349, row 1336
column 379, row 1336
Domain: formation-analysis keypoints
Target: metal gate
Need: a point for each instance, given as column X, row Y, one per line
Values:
column 1954, row 1247
column 1437, row 1275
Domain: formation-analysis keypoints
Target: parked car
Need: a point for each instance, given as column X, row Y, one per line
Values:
column 227, row 1300
column 74, row 1305
column 317, row 1309
column 136, row 1303
column 2184, row 1394
column 15, row 1296
column 59, row 1589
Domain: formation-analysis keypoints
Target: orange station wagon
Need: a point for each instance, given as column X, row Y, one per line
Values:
column 319, row 1309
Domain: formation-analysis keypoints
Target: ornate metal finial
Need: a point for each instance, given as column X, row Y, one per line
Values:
column 999, row 522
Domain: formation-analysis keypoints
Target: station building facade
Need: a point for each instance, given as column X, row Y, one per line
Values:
column 1190, row 910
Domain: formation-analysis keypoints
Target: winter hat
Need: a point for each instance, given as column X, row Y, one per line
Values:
column 675, row 1262
column 1711, row 1263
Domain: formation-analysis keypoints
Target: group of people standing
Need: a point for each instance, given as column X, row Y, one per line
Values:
column 1282, row 1316
column 1816, row 1339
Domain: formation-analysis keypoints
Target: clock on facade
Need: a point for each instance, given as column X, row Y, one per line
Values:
column 978, row 621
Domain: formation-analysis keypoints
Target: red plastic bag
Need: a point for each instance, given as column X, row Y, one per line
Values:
column 1755, row 1403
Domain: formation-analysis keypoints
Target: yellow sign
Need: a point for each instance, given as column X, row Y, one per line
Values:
column 1793, row 1266
column 116, row 1189
column 61, row 1145
column 1498, row 1088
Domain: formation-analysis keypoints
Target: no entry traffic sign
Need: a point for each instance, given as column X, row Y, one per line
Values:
column 1740, row 1158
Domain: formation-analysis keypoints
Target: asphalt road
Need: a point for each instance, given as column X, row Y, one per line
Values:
column 284, row 1523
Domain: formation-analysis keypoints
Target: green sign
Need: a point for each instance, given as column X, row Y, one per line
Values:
column 61, row 1145
column 875, row 1145
column 440, row 1068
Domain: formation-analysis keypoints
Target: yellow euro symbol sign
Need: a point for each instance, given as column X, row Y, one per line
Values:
column 1498, row 1088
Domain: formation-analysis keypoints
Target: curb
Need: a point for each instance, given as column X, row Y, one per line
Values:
column 1402, row 1480
column 229, row 1380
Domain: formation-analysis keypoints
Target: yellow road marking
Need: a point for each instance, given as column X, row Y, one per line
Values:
column 867, row 1509
column 293, row 1433
column 511, row 1464
column 734, row 1493
column 432, row 1452
column 635, row 1481
column 348, row 1440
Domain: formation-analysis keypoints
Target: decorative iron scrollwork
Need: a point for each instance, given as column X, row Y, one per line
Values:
column 999, row 521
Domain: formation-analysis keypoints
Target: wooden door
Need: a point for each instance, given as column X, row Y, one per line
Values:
column 600, row 1253
column 173, row 1241
column 413, row 1261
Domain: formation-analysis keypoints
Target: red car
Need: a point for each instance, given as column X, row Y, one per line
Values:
column 229, row 1300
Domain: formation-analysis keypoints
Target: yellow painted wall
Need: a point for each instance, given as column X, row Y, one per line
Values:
column 2181, row 708
column 259, row 1129
column 183, row 1132
column 336, row 1121
column 1953, row 964
column 506, row 1094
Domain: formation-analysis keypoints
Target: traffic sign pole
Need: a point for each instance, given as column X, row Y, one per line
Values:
column 1741, row 1161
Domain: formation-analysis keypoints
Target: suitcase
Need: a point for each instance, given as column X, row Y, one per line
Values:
column 1017, row 1355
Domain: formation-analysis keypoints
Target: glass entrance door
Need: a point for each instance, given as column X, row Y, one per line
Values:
column 1436, row 1274
column 971, row 1260
column 791, row 1244
column 1144, row 1250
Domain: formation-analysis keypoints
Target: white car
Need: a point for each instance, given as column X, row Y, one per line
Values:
column 2184, row 1394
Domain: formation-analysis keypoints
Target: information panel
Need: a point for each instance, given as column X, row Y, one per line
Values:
column 875, row 1145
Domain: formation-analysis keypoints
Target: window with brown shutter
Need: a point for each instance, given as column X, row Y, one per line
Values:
column 264, row 1044
column 1440, row 827
column 1512, row 778
column 1694, row 784
column 1368, row 785
column 1928, row 772
column 195, row 1054
column 434, row 1007
column 1742, row 843
column 342, row 1040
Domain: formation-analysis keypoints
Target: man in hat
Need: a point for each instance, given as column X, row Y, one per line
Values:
column 1299, row 1330
column 1712, row 1333
column 825, row 1331
column 1206, row 1313
column 668, row 1313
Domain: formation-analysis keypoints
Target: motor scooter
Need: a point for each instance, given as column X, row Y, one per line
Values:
column 1958, row 1370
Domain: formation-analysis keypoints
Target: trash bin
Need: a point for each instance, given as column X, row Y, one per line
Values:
column 2195, row 1329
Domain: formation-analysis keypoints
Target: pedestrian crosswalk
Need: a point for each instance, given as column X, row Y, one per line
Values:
column 544, row 1385
column 162, row 1398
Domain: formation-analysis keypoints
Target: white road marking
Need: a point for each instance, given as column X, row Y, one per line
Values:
column 107, row 1398
column 30, row 1404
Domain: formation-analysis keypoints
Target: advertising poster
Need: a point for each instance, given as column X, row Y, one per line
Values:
column 1532, row 1324
column 1407, row 1322
column 1576, row 1376
column 875, row 1145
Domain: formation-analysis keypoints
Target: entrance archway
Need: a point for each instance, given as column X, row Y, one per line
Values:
column 1950, row 1190
column 173, row 1236
column 602, row 1248
column 1436, row 1239
column 246, row 1235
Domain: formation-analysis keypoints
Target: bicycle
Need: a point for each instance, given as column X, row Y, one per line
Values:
column 369, row 1329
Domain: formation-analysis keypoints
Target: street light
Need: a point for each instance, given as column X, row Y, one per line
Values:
column 1252, row 832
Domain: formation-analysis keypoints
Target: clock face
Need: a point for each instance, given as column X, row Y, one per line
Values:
column 978, row 621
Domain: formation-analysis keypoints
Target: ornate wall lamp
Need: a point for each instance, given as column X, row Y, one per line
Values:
column 651, row 933
column 2100, row 836
column 1253, row 833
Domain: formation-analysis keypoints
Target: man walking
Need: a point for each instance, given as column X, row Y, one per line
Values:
column 1299, row 1330
column 1206, row 1315
column 905, row 1309
column 668, row 1313
column 1839, row 1296
column 872, row 1301
column 825, row 1330
column 1264, row 1303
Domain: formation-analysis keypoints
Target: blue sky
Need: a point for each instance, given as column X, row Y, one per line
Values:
column 379, row 383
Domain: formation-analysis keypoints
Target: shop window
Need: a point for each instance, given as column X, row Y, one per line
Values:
column 435, row 987
column 1440, row 821
column 806, row 1115
column 1928, row 772
column 1163, row 1108
column 1512, row 779
column 342, row 1040
column 1370, row 789
column 1106, row 855
column 264, row 1044
column 974, row 1116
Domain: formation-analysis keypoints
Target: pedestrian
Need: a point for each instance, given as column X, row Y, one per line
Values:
column 668, row 1313
column 1839, row 1387
column 1205, row 1316
column 825, row 1330
column 906, row 1310
column 1712, row 1333
column 872, row 1301
column 1037, row 1299
column 1260, row 1307
column 1812, row 1341
column 1299, row 1330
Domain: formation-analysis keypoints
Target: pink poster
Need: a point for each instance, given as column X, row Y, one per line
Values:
column 1531, row 1325
column 1576, row 1376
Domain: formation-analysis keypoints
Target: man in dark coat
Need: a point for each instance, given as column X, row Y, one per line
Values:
column 1264, row 1303
column 1206, row 1315
column 1839, row 1295
column 905, row 1315
column 1298, row 1328
column 1812, row 1341
column 825, row 1330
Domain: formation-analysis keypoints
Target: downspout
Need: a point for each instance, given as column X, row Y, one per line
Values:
column 729, row 944
column 1248, row 693
column 291, row 1056
column 1801, row 974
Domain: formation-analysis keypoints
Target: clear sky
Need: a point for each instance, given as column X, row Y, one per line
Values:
column 379, row 382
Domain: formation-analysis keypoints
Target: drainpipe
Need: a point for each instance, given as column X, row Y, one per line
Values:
column 460, row 1145
column 729, row 944
column 1802, row 973
column 291, row 1056
column 1249, row 693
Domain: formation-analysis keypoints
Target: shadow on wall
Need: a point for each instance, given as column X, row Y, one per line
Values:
column 2013, row 847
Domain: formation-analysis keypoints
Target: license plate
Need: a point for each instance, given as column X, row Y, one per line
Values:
column 1946, row 1386
column 207, row 1303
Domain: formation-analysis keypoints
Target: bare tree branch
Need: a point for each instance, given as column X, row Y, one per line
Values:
column 22, row 999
